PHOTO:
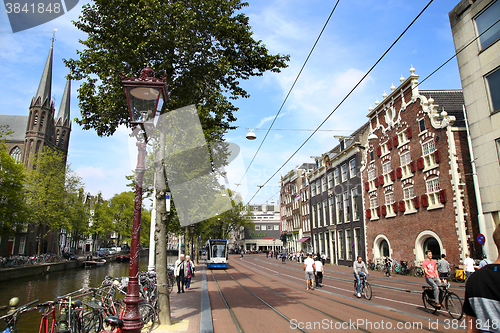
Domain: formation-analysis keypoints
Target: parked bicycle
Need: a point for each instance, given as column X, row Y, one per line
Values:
column 14, row 313
column 450, row 300
column 366, row 289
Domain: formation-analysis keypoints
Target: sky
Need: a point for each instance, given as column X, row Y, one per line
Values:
column 356, row 36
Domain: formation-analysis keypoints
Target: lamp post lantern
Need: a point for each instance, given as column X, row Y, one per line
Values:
column 145, row 96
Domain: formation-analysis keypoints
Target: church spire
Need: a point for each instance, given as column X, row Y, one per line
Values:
column 63, row 116
column 45, row 87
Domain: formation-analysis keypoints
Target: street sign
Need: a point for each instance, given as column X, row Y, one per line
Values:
column 481, row 239
column 167, row 201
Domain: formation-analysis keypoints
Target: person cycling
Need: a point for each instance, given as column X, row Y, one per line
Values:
column 431, row 276
column 358, row 266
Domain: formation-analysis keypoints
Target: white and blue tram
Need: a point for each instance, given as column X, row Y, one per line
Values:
column 217, row 254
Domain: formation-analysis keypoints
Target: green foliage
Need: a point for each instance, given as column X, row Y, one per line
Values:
column 205, row 47
column 121, row 210
column 46, row 192
column 231, row 220
column 12, row 205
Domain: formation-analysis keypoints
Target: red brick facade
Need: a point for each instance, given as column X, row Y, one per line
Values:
column 417, row 188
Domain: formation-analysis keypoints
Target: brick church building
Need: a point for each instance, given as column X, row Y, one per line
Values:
column 417, row 184
column 42, row 127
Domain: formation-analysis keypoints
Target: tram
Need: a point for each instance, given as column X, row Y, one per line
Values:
column 217, row 254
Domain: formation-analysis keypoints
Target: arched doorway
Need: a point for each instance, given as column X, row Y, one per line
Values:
column 381, row 247
column 384, row 248
column 428, row 240
column 432, row 244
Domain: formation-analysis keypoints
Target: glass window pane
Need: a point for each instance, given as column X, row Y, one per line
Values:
column 485, row 20
column 493, row 81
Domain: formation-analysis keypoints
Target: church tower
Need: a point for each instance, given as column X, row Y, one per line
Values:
column 42, row 130
column 63, row 122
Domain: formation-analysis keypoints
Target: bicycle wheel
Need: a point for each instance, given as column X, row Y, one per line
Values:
column 171, row 283
column 148, row 315
column 454, row 306
column 91, row 321
column 367, row 291
column 355, row 287
column 427, row 303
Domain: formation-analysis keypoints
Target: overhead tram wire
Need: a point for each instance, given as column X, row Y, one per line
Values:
column 346, row 96
column 290, row 90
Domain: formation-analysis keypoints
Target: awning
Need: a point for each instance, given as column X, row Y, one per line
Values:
column 303, row 239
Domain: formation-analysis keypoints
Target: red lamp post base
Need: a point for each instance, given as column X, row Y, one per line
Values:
column 132, row 321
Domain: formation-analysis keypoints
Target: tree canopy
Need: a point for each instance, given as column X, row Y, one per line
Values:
column 205, row 47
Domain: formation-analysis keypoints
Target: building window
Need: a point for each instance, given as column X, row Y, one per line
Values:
column 389, row 204
column 269, row 227
column 352, row 167
column 344, row 172
column 371, row 179
column 386, row 171
column 493, row 84
column 484, row 21
column 405, row 164
column 332, row 210
column 348, row 236
column 402, row 138
column 373, row 208
column 325, row 210
column 277, row 227
column 428, row 154
column 421, row 125
column 384, row 148
column 22, row 245
column 25, row 227
column 497, row 141
column 347, row 214
column 341, row 244
column 357, row 240
column 257, row 227
column 323, row 181
column 330, row 180
column 16, row 154
column 371, row 156
column 336, row 176
column 408, row 195
column 320, row 215
column 339, row 208
column 433, row 188
column 318, row 187
column 313, row 189
column 355, row 204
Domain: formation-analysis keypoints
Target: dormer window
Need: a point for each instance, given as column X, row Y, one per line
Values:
column 342, row 145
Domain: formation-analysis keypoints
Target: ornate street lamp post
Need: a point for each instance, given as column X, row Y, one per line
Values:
column 145, row 96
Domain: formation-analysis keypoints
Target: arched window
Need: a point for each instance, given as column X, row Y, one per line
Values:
column 16, row 154
column 432, row 244
column 41, row 120
column 35, row 121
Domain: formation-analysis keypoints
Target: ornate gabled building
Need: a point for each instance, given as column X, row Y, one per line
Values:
column 30, row 134
column 418, row 193
column 295, row 213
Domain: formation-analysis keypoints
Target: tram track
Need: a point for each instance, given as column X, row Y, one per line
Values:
column 233, row 315
column 358, row 309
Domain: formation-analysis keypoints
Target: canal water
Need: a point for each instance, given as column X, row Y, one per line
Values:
column 47, row 287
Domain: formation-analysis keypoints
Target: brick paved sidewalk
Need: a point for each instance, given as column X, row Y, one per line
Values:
column 190, row 311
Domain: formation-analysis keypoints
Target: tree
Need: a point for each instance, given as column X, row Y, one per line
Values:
column 204, row 47
column 121, row 207
column 12, row 205
column 46, row 193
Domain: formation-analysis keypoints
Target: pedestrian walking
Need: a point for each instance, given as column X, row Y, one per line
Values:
column 190, row 272
column 443, row 267
column 283, row 257
column 323, row 258
column 180, row 272
column 482, row 295
column 388, row 265
column 468, row 265
column 309, row 269
column 484, row 262
column 318, row 264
